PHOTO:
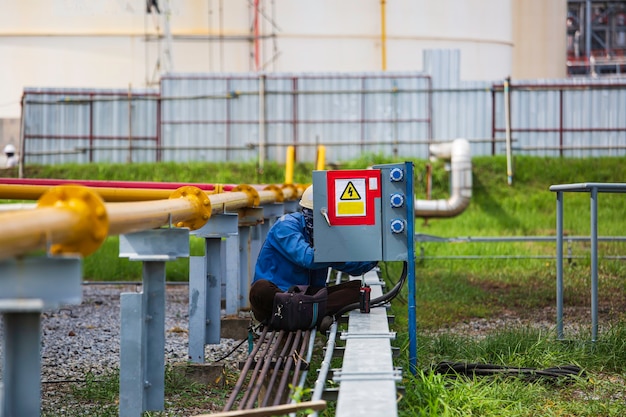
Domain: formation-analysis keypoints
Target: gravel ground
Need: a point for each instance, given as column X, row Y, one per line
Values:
column 85, row 338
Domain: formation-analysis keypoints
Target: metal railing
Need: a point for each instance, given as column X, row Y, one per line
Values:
column 593, row 188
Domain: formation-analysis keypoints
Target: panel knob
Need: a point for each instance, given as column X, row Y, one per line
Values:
column 397, row 226
column 396, row 174
column 396, row 200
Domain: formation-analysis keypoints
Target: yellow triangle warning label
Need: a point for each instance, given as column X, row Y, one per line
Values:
column 350, row 193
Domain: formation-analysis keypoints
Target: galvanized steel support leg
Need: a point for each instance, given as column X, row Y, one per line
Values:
column 22, row 364
column 142, row 344
column 27, row 288
column 205, row 299
column 245, row 277
column 154, row 336
column 142, row 362
column 207, row 274
column 230, row 260
column 132, row 365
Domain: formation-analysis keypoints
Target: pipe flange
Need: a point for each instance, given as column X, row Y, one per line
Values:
column 295, row 191
column 280, row 197
column 254, row 199
column 93, row 226
column 200, row 201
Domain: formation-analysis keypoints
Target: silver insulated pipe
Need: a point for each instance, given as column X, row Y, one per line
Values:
column 458, row 152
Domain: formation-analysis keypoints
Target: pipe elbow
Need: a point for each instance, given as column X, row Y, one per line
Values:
column 458, row 152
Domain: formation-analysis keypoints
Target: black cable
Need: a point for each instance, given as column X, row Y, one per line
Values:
column 383, row 299
column 485, row 369
column 251, row 329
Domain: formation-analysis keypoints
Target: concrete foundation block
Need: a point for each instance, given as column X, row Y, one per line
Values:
column 202, row 373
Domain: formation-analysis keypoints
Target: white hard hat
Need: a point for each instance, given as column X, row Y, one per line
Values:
column 306, row 200
column 9, row 148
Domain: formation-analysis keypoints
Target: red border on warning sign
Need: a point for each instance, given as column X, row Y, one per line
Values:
column 370, row 213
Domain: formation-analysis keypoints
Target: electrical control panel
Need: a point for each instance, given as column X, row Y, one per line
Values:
column 364, row 215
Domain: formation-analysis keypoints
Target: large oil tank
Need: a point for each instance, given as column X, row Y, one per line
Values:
column 117, row 43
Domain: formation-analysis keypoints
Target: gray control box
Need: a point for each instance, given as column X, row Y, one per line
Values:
column 363, row 215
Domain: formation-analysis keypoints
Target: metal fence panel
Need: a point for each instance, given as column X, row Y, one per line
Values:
column 84, row 125
column 237, row 117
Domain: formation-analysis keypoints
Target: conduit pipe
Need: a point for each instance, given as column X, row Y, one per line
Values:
column 458, row 152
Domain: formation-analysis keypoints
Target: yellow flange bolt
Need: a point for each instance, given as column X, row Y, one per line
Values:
column 253, row 195
column 92, row 227
column 280, row 197
column 200, row 201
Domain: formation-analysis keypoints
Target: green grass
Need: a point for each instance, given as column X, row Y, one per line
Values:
column 597, row 392
column 451, row 291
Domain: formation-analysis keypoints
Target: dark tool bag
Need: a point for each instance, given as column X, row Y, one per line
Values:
column 298, row 308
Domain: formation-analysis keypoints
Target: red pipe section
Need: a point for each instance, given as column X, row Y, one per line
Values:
column 111, row 184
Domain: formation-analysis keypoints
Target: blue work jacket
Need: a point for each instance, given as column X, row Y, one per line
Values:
column 286, row 257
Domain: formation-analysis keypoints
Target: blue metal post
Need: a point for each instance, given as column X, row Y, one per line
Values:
column 411, row 268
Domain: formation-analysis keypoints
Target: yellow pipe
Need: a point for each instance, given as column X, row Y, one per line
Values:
column 289, row 165
column 74, row 219
column 28, row 230
column 321, row 158
column 70, row 219
column 383, row 33
column 110, row 194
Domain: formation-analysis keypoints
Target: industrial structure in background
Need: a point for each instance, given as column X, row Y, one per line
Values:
column 122, row 43
column 136, row 44
column 596, row 37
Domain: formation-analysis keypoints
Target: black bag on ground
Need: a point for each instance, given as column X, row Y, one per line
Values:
column 298, row 308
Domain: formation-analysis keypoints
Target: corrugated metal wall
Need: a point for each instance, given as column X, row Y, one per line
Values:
column 235, row 117
column 84, row 125
column 217, row 117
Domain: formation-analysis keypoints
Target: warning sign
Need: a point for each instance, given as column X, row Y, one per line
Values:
column 350, row 193
column 350, row 197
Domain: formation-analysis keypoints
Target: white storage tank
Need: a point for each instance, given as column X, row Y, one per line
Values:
column 116, row 43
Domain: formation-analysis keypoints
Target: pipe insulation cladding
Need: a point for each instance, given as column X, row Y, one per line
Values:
column 458, row 152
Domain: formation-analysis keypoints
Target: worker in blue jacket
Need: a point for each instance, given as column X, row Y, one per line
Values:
column 286, row 259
